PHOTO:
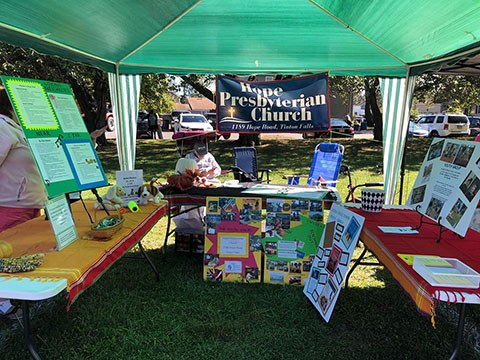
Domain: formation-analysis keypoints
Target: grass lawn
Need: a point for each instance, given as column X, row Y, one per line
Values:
column 126, row 315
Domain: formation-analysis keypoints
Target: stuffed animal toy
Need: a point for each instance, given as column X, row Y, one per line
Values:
column 149, row 192
column 112, row 199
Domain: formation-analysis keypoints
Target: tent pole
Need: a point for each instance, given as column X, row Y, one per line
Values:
column 121, row 121
column 402, row 169
column 405, row 109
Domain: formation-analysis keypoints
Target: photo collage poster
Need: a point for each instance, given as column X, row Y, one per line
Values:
column 292, row 234
column 233, row 239
column 56, row 134
column 332, row 259
column 447, row 186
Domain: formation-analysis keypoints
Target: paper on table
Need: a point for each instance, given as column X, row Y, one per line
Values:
column 398, row 230
column 408, row 258
column 61, row 220
column 435, row 262
column 452, row 280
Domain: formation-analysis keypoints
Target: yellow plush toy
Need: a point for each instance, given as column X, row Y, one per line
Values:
column 6, row 249
column 112, row 199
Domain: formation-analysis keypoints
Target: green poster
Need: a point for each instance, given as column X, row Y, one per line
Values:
column 57, row 135
column 293, row 231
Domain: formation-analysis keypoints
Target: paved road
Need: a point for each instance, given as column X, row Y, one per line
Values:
column 366, row 134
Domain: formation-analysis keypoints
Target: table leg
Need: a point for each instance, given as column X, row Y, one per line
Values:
column 26, row 330
column 167, row 233
column 152, row 265
column 357, row 262
column 460, row 327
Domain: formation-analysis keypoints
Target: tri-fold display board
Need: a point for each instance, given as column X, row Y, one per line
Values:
column 447, row 187
column 57, row 135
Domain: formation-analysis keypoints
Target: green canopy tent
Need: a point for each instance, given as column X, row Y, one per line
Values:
column 385, row 38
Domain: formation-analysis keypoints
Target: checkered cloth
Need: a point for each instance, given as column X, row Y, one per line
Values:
column 372, row 200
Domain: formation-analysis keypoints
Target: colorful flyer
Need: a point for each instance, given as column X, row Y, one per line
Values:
column 57, row 135
column 447, row 186
column 61, row 220
column 332, row 259
column 293, row 231
column 130, row 181
column 233, row 242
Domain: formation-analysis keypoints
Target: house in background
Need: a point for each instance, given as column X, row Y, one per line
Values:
column 197, row 105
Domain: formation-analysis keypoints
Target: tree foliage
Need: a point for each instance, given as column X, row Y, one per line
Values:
column 459, row 93
column 89, row 85
column 155, row 94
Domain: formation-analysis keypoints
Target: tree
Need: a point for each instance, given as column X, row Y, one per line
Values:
column 373, row 115
column 89, row 85
column 155, row 94
column 369, row 86
column 459, row 93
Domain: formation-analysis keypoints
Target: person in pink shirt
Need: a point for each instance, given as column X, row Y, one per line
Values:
column 477, row 138
column 22, row 193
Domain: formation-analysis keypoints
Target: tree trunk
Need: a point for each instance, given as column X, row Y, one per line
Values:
column 368, row 112
column 373, row 114
column 377, row 114
column 199, row 87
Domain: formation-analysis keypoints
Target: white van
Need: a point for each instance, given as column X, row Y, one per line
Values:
column 444, row 124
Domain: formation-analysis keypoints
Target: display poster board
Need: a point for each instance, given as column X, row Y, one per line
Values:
column 293, row 231
column 332, row 259
column 61, row 219
column 233, row 239
column 56, row 134
column 295, row 105
column 130, row 181
column 447, row 187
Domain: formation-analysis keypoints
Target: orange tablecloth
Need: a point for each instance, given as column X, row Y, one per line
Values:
column 386, row 247
column 83, row 261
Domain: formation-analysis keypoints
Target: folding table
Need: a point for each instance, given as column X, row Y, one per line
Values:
column 77, row 266
column 386, row 248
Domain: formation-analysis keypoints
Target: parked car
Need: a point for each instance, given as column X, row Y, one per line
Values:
column 474, row 125
column 142, row 125
column 444, row 124
column 338, row 128
column 416, row 131
column 189, row 122
column 176, row 114
column 212, row 119
column 109, row 117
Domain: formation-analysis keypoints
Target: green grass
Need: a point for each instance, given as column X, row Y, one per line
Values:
column 126, row 315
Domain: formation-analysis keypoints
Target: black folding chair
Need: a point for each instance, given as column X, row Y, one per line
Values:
column 245, row 166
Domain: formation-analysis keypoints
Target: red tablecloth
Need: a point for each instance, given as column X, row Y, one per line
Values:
column 387, row 246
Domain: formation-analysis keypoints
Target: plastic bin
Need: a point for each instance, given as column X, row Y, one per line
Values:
column 446, row 272
column 189, row 241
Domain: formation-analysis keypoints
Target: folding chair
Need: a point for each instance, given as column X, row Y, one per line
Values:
column 245, row 166
column 326, row 162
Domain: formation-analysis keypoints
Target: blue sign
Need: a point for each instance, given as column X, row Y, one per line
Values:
column 298, row 105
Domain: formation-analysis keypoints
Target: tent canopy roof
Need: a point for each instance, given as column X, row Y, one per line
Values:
column 343, row 37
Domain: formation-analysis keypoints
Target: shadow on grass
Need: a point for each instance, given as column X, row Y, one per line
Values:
column 128, row 315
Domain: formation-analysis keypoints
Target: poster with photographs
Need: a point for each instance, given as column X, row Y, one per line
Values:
column 233, row 239
column 292, row 234
column 448, row 183
column 332, row 258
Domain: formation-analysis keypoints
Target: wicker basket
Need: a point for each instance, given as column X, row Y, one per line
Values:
column 106, row 232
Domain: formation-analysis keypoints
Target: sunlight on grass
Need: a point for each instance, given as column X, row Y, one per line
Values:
column 127, row 315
